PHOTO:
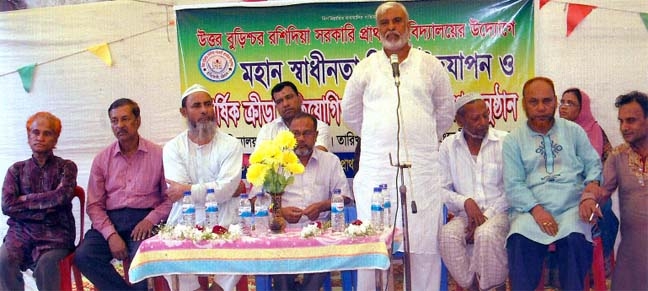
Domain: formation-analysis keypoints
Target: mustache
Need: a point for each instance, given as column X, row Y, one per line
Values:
column 392, row 32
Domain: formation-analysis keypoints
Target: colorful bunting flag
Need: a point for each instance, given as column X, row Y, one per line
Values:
column 644, row 17
column 27, row 76
column 103, row 52
column 575, row 14
column 542, row 3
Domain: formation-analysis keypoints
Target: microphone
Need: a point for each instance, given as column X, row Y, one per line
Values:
column 393, row 59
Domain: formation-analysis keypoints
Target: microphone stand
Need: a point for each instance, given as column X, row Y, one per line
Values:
column 403, row 201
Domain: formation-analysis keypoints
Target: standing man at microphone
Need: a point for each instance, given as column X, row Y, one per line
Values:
column 409, row 128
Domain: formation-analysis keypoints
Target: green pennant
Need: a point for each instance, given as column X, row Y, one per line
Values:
column 644, row 17
column 27, row 76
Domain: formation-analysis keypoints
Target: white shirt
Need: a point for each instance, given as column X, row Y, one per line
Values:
column 270, row 130
column 369, row 108
column 321, row 176
column 215, row 165
column 464, row 177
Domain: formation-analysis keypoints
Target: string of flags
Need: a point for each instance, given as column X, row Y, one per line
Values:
column 101, row 51
column 576, row 13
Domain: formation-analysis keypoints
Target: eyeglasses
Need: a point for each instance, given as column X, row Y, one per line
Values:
column 306, row 133
column 568, row 104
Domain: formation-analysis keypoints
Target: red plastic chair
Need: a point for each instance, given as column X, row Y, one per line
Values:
column 598, row 267
column 242, row 284
column 66, row 264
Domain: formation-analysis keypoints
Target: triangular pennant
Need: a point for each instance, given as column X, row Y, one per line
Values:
column 542, row 3
column 103, row 52
column 575, row 14
column 27, row 76
column 644, row 17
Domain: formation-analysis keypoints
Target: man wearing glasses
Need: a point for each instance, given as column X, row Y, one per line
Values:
column 309, row 197
column 288, row 102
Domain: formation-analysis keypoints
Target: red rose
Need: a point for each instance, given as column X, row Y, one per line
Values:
column 219, row 230
column 200, row 227
column 357, row 222
column 319, row 224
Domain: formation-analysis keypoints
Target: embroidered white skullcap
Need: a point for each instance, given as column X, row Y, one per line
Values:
column 465, row 99
column 193, row 89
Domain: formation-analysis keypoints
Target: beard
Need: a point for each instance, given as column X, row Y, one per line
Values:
column 203, row 130
column 303, row 151
column 394, row 45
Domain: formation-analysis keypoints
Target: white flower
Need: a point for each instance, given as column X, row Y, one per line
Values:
column 235, row 231
column 183, row 232
column 310, row 229
column 359, row 230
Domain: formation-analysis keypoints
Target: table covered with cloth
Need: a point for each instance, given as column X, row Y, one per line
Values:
column 286, row 253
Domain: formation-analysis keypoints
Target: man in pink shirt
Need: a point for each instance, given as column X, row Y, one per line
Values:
column 125, row 199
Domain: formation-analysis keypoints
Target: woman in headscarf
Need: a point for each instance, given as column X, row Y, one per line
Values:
column 575, row 106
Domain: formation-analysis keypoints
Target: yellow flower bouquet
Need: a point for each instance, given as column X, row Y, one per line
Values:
column 274, row 163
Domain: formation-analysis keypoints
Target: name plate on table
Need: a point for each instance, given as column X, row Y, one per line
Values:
column 286, row 253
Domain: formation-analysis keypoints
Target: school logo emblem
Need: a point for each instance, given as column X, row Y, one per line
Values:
column 217, row 65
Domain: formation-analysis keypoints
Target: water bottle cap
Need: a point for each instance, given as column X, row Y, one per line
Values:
column 210, row 190
column 337, row 191
column 244, row 195
column 260, row 194
column 384, row 186
column 377, row 189
column 187, row 193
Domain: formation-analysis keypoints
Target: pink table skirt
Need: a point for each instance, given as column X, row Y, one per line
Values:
column 286, row 253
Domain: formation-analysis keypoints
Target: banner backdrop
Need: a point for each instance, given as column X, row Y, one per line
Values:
column 240, row 52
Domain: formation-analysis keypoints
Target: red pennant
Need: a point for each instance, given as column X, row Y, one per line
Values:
column 575, row 14
column 542, row 3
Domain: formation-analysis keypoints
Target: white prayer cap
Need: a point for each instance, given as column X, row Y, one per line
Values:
column 193, row 89
column 465, row 99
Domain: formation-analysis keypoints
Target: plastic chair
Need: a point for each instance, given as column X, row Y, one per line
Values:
column 241, row 285
column 66, row 264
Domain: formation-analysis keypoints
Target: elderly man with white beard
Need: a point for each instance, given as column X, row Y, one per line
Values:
column 369, row 108
column 201, row 158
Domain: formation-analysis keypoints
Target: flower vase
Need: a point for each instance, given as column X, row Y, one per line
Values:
column 278, row 222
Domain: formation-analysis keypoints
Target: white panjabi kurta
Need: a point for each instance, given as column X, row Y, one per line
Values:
column 369, row 108
column 480, row 178
column 215, row 165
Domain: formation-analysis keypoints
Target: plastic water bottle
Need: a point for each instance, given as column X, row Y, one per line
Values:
column 211, row 209
column 386, row 206
column 337, row 211
column 245, row 214
column 188, row 210
column 377, row 215
column 261, row 218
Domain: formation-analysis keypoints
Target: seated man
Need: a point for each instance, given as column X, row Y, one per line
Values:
column 473, row 187
column 37, row 196
column 200, row 158
column 549, row 166
column 288, row 102
column 125, row 199
column 309, row 197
